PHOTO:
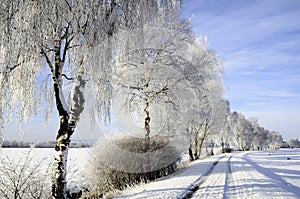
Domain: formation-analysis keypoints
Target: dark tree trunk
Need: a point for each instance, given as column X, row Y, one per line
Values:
column 223, row 145
column 191, row 154
column 196, row 141
column 147, row 126
column 202, row 139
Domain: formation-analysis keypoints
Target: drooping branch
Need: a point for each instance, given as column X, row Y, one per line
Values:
column 68, row 78
column 44, row 53
column 133, row 87
column 68, row 4
column 66, row 47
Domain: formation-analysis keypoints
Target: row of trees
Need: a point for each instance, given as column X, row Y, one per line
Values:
column 232, row 130
column 247, row 134
column 49, row 144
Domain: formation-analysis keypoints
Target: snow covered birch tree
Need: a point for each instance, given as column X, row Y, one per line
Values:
column 149, row 71
column 46, row 46
column 208, row 114
column 42, row 36
column 150, row 85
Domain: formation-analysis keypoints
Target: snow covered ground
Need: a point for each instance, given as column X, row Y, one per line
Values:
column 259, row 174
column 76, row 160
column 254, row 174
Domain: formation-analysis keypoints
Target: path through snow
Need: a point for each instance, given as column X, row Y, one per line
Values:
column 261, row 174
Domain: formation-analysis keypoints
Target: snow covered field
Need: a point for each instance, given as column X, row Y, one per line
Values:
column 254, row 174
column 76, row 160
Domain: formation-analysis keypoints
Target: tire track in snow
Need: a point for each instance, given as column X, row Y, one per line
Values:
column 274, row 177
column 215, row 184
column 199, row 181
column 228, row 173
column 249, row 180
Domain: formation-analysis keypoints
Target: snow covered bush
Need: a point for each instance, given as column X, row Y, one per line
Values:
column 24, row 179
column 120, row 162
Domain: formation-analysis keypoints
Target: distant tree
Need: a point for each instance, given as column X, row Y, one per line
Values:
column 294, row 143
column 225, row 131
column 276, row 140
column 259, row 134
column 263, row 138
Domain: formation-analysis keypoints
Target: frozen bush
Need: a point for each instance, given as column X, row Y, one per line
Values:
column 119, row 162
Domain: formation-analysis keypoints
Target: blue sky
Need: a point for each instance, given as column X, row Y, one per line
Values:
column 259, row 43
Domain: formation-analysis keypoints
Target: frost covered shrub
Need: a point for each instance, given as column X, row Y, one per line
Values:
column 119, row 162
column 24, row 179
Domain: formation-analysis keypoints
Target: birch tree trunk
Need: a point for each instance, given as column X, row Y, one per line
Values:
column 69, row 117
column 202, row 139
column 59, row 183
column 68, row 123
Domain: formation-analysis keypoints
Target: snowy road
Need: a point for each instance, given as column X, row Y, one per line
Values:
column 251, row 178
column 267, row 174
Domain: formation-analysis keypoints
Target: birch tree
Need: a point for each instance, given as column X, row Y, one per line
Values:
column 151, row 86
column 209, row 112
column 224, row 133
column 45, row 58
column 149, row 72
column 209, row 126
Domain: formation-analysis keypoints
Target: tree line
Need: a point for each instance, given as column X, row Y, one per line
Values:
column 246, row 134
column 236, row 133
column 49, row 144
